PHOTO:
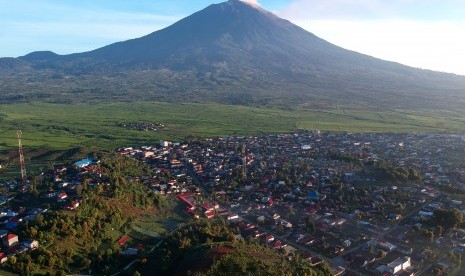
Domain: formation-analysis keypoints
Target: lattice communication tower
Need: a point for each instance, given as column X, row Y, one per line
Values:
column 21, row 161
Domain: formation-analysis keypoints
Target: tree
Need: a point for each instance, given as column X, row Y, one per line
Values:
column 51, row 262
column 39, row 219
column 380, row 253
column 310, row 225
column 279, row 229
column 12, row 260
column 447, row 218
column 439, row 230
column 414, row 175
column 33, row 232
column 185, row 243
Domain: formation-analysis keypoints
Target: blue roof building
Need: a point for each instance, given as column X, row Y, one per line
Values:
column 84, row 162
column 314, row 195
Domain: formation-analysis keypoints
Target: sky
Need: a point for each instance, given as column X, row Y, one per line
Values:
column 428, row 34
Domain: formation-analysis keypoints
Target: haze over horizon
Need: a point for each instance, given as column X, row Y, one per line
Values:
column 421, row 34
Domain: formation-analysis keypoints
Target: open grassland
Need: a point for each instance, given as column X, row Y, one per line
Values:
column 60, row 126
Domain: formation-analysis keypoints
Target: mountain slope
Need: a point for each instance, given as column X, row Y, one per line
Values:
column 231, row 53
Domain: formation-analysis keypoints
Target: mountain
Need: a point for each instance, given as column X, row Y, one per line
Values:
column 234, row 53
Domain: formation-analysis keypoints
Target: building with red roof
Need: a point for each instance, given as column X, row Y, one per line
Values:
column 10, row 240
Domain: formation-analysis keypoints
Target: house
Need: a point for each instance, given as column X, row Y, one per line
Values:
column 347, row 243
column 72, row 205
column 206, row 207
column 261, row 219
column 315, row 261
column 277, row 244
column 209, row 214
column 233, row 217
column 398, row 264
column 404, row 250
column 62, row 185
column 307, row 240
column 387, row 246
column 11, row 225
column 269, row 238
column 62, row 196
column 425, row 214
column 84, row 163
column 122, row 240
column 31, row 244
column 314, row 195
column 187, row 199
column 3, row 257
column 130, row 251
column 144, row 154
column 10, row 240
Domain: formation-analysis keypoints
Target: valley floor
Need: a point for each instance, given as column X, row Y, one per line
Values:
column 111, row 125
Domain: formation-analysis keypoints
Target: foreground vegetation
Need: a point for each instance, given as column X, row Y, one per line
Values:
column 88, row 239
column 85, row 239
column 61, row 126
column 210, row 248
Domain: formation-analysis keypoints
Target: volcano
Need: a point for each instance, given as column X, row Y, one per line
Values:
column 234, row 53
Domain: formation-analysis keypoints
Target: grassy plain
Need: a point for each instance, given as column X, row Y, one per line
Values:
column 59, row 126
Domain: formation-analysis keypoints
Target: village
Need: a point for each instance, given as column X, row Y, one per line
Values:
column 315, row 193
column 363, row 203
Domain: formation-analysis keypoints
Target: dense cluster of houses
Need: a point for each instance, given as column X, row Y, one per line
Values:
column 316, row 176
column 309, row 190
column 9, row 223
column 143, row 126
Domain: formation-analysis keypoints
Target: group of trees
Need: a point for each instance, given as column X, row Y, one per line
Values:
column 442, row 220
column 447, row 218
column 420, row 233
column 63, row 233
column 197, row 241
column 250, row 260
column 391, row 172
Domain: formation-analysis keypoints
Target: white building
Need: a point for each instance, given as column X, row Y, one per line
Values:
column 398, row 264
column 31, row 244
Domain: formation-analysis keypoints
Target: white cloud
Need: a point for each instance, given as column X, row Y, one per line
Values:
column 438, row 45
column 421, row 33
column 375, row 9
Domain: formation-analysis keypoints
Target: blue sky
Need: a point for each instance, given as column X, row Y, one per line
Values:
column 427, row 34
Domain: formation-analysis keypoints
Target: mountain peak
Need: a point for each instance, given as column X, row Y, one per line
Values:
column 253, row 3
column 39, row 55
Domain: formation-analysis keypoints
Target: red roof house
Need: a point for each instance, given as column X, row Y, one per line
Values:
column 10, row 240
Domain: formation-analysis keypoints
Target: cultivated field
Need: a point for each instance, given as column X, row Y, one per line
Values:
column 60, row 126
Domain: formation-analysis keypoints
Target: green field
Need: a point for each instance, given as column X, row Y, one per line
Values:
column 59, row 126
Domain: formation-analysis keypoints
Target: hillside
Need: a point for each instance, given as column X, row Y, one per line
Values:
column 248, row 56
column 209, row 248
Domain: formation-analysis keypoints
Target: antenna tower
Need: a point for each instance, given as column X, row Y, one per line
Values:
column 21, row 161
column 244, row 163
